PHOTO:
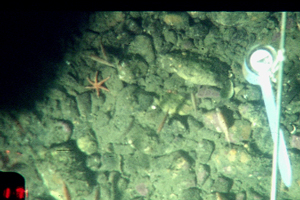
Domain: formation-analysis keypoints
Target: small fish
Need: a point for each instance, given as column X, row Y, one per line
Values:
column 66, row 191
column 206, row 91
column 100, row 60
column 161, row 125
column 97, row 194
column 223, row 124
column 194, row 102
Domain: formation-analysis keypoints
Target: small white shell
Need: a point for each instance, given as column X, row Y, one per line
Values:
column 87, row 144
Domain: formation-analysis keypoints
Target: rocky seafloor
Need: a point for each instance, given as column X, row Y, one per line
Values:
column 179, row 120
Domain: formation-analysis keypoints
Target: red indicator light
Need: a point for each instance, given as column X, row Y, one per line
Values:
column 20, row 192
column 12, row 186
column 6, row 193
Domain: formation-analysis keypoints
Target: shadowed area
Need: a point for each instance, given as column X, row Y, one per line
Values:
column 31, row 47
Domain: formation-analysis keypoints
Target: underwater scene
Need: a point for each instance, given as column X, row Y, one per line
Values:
column 156, row 106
